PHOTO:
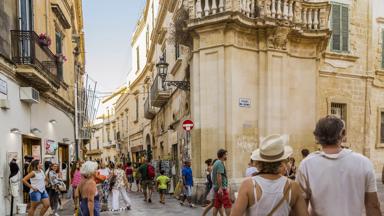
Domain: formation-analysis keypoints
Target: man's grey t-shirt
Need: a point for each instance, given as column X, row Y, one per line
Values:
column 336, row 184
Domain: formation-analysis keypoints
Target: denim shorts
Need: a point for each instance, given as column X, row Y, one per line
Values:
column 37, row 196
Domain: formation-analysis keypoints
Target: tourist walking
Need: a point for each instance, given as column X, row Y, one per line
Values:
column 54, row 179
column 187, row 177
column 337, row 181
column 120, row 187
column 210, row 197
column 220, row 184
column 37, row 191
column 162, row 182
column 208, row 181
column 137, row 176
column 75, row 178
column 147, row 175
column 129, row 174
column 269, row 192
column 86, row 191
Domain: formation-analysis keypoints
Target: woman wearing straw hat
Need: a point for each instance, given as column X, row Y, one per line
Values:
column 269, row 193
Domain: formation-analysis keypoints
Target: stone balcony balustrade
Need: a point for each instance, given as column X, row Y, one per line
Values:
column 299, row 14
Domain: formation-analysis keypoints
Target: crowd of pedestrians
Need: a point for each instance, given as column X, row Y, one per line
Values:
column 332, row 181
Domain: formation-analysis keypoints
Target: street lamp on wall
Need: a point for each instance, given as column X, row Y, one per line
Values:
column 162, row 69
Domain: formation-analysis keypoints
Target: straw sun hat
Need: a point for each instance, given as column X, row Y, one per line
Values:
column 272, row 149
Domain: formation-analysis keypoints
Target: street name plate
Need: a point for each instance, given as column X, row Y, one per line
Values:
column 245, row 102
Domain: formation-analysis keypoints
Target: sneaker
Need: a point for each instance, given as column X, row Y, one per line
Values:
column 182, row 203
column 128, row 208
column 149, row 200
column 191, row 205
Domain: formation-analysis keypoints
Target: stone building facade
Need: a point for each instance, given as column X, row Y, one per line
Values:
column 41, row 60
column 255, row 69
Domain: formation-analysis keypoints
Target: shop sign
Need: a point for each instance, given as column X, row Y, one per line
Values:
column 50, row 147
column 3, row 87
column 245, row 102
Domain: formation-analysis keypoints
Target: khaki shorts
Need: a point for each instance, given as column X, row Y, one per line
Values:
column 147, row 184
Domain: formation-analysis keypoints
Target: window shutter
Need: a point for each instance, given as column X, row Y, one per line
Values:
column 344, row 27
column 336, row 28
column 382, row 48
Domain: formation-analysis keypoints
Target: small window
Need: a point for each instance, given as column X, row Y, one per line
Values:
column 382, row 49
column 382, row 127
column 137, row 109
column 340, row 27
column 177, row 50
column 339, row 110
column 138, row 58
column 97, row 142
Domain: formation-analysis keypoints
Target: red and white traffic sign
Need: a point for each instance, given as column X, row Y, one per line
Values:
column 188, row 125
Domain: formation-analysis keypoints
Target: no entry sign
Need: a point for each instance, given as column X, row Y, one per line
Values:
column 188, row 125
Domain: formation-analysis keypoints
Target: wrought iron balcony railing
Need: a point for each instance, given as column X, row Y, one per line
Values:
column 26, row 50
column 160, row 92
column 149, row 110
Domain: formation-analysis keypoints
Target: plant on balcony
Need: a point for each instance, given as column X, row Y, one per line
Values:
column 44, row 40
column 61, row 58
column 179, row 34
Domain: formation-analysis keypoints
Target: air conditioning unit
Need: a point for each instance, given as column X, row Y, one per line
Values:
column 29, row 95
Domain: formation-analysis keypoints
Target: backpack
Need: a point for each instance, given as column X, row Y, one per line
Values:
column 151, row 172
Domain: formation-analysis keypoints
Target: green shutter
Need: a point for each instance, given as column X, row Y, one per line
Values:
column 382, row 49
column 336, row 28
column 344, row 28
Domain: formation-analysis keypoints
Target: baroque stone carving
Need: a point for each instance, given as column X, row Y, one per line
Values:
column 278, row 37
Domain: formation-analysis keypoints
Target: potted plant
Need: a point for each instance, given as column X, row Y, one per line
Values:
column 44, row 40
column 61, row 58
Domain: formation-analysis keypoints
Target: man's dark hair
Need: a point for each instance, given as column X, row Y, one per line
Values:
column 162, row 172
column 329, row 130
column 208, row 161
column 129, row 163
column 221, row 153
column 305, row 152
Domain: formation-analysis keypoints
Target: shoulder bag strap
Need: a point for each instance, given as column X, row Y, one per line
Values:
column 282, row 199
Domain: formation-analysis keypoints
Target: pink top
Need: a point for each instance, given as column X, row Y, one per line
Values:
column 76, row 178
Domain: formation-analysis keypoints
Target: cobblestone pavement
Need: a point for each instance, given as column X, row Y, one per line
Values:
column 141, row 208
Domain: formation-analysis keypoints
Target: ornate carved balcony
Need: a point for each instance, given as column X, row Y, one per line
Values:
column 160, row 92
column 149, row 110
column 36, row 63
column 301, row 15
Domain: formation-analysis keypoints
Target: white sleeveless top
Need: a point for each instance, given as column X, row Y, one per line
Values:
column 272, row 192
column 38, row 181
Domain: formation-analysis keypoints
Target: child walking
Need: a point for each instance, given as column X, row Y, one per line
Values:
column 162, row 184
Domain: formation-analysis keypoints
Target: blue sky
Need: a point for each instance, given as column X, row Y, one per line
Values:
column 108, row 27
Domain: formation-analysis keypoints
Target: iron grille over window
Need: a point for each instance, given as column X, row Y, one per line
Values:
column 339, row 110
column 340, row 27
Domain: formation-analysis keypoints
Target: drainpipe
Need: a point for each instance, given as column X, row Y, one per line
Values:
column 367, row 148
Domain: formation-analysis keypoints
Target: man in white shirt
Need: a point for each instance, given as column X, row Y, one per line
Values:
column 337, row 181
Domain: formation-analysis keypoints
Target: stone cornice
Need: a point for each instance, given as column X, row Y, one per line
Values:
column 141, row 23
column 341, row 56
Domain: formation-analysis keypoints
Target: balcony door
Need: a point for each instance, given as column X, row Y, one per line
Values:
column 25, row 24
